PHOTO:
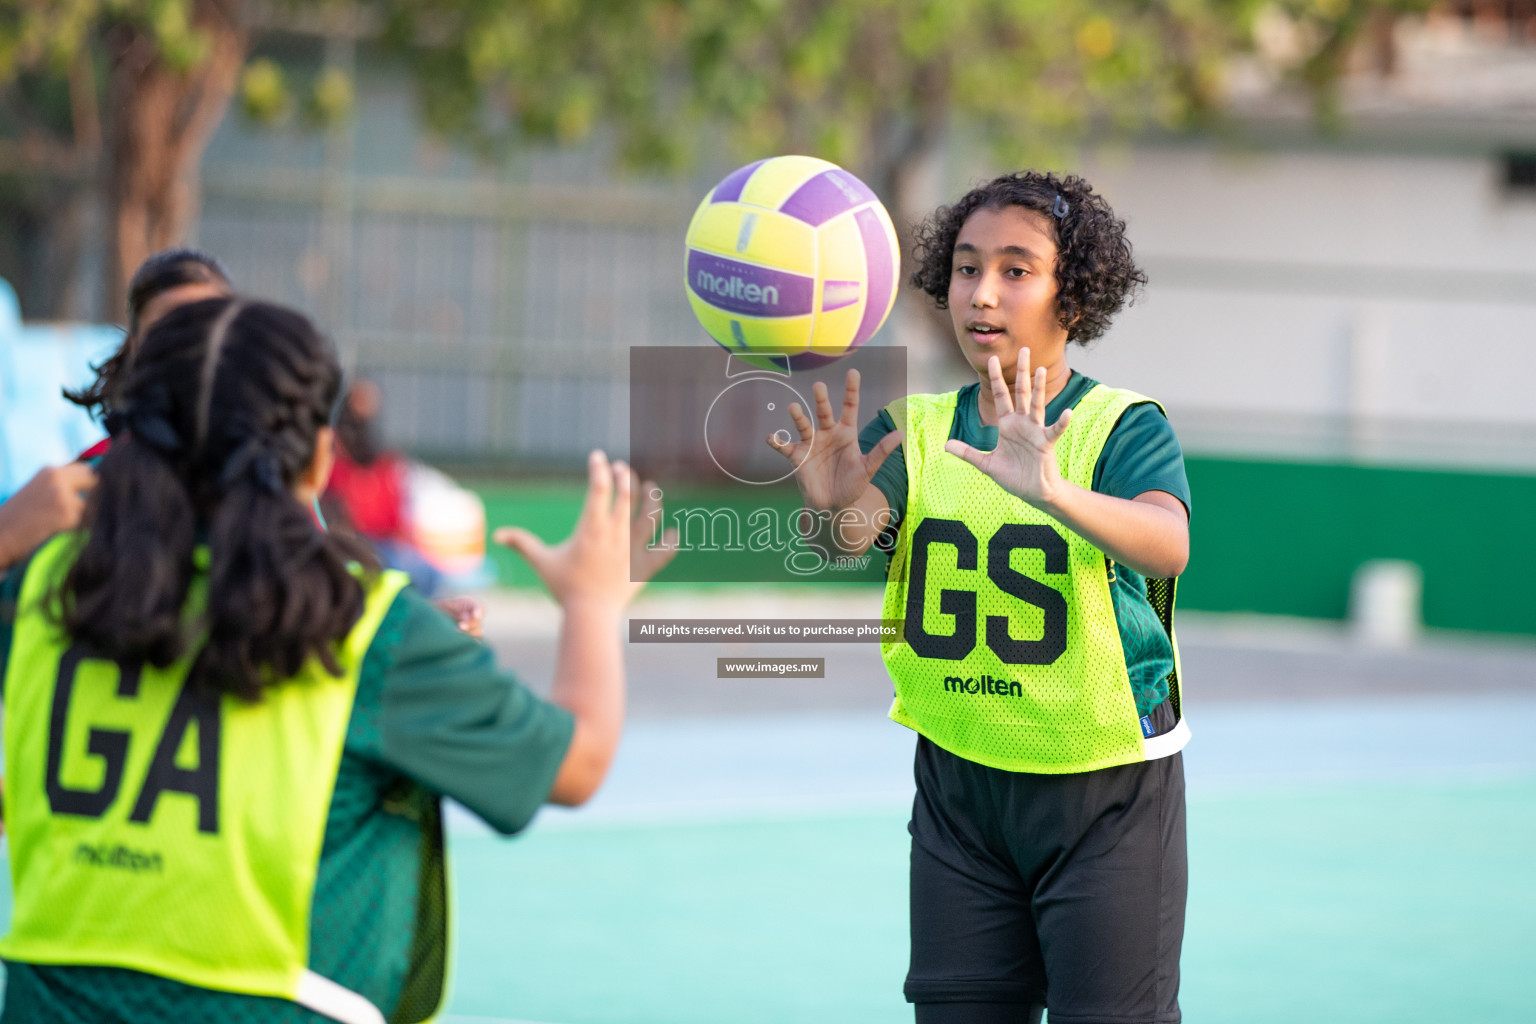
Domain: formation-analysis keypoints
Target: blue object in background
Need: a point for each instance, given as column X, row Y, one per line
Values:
column 38, row 427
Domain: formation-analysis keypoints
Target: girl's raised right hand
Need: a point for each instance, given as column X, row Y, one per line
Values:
column 831, row 471
column 593, row 564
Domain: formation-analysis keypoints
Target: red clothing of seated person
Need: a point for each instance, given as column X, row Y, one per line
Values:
column 371, row 496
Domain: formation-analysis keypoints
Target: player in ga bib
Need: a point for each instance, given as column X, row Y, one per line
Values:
column 227, row 733
column 1036, row 522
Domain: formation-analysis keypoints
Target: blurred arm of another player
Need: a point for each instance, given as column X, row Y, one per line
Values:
column 589, row 573
column 1148, row 534
column 834, row 475
column 51, row 502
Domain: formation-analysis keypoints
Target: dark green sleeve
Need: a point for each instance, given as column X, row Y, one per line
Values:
column 433, row 705
column 1142, row 454
column 891, row 477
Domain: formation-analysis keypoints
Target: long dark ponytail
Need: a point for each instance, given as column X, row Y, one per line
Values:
column 218, row 420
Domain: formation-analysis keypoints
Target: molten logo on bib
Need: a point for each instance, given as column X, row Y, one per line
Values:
column 990, row 685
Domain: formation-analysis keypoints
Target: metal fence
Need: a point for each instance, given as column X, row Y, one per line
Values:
column 496, row 316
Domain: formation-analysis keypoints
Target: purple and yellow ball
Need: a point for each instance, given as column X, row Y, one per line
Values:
column 792, row 260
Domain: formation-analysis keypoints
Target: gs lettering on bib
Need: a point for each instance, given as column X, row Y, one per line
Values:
column 1011, row 655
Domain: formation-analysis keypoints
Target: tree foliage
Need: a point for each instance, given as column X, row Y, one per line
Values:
column 115, row 98
column 1329, row 32
column 120, row 96
column 873, row 84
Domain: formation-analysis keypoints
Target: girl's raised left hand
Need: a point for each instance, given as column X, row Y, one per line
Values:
column 1024, row 461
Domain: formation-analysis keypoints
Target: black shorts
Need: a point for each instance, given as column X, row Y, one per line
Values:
column 1061, row 890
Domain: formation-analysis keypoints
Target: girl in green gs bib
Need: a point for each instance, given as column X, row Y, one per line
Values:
column 227, row 735
column 1036, row 522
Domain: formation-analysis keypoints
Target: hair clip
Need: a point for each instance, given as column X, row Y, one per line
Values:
column 1061, row 208
column 267, row 473
column 255, row 462
column 152, row 428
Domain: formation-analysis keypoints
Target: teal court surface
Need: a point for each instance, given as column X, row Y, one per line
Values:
column 1355, row 858
column 1350, row 861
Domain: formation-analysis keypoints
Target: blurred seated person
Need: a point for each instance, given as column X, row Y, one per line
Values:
column 367, row 493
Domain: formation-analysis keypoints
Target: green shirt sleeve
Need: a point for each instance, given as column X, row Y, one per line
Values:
column 433, row 705
column 1142, row 454
column 891, row 477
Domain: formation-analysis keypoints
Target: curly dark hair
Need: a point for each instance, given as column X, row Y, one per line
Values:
column 1095, row 274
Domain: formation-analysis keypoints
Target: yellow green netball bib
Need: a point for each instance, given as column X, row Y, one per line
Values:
column 163, row 829
column 1011, row 656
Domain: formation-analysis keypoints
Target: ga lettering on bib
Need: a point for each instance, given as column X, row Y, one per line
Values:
column 163, row 829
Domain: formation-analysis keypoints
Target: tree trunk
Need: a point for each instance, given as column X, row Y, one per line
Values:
column 49, row 172
column 58, row 287
column 158, row 122
column 904, row 141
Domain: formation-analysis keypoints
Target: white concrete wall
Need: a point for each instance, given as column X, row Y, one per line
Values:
column 1375, row 307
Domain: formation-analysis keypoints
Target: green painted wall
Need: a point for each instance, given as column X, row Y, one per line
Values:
column 1284, row 538
column 1281, row 538
column 548, row 509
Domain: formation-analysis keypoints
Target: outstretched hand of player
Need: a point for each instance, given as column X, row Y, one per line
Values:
column 608, row 557
column 831, row 470
column 466, row 612
column 1024, row 461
